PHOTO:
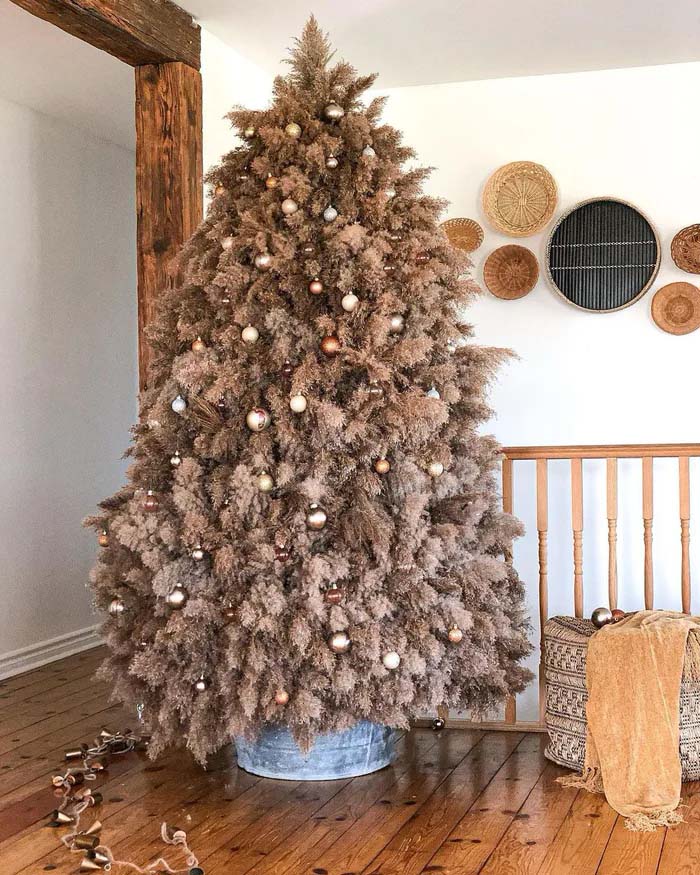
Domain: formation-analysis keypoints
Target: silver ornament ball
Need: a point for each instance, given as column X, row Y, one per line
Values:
column 263, row 261
column 176, row 598
column 116, row 607
column 316, row 518
column 331, row 162
column 201, row 684
column 176, row 459
column 289, row 206
column 396, row 323
column 333, row 112
column 349, row 302
column 368, row 152
column 339, row 642
column 257, row 419
column 198, row 553
column 601, row 617
column 179, row 404
column 391, row 660
column 330, row 214
column 433, row 393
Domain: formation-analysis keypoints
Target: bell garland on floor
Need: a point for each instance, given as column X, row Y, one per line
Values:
column 76, row 798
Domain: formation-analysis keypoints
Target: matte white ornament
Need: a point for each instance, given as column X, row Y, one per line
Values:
column 435, row 469
column 250, row 334
column 289, row 206
column 293, row 130
column 265, row 482
column 333, row 112
column 368, row 152
column 179, row 404
column 349, row 302
column 227, row 243
column 330, row 214
column 263, row 260
column 316, row 518
column 298, row 403
column 433, row 393
column 391, row 660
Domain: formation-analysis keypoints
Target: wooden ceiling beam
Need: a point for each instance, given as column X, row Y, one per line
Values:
column 135, row 31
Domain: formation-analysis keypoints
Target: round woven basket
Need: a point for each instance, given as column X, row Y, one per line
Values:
column 510, row 272
column 464, row 234
column 685, row 249
column 520, row 198
column 676, row 308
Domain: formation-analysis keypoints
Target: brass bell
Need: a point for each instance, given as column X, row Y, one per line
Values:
column 85, row 842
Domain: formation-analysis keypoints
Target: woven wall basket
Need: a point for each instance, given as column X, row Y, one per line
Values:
column 685, row 249
column 602, row 255
column 510, row 272
column 676, row 308
column 520, row 198
column 464, row 234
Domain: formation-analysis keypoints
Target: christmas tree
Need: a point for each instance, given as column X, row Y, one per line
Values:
column 311, row 531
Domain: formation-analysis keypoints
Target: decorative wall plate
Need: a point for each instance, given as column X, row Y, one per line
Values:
column 464, row 234
column 676, row 308
column 520, row 198
column 602, row 255
column 510, row 272
column 685, row 249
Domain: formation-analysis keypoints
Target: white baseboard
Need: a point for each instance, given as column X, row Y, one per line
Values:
column 26, row 658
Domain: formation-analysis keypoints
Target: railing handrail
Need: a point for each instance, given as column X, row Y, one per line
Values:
column 603, row 451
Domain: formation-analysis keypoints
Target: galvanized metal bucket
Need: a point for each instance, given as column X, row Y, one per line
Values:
column 365, row 747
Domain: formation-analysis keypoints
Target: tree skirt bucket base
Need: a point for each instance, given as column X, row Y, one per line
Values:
column 365, row 747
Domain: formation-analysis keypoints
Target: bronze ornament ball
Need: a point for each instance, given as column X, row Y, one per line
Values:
column 257, row 419
column 333, row 112
column 333, row 595
column 281, row 697
column 316, row 518
column 601, row 617
column 282, row 553
column 422, row 258
column 382, row 466
column 330, row 345
column 316, row 286
column 308, row 249
column 116, row 608
column 150, row 502
column 271, row 182
column 339, row 642
column 375, row 390
column 293, row 130
column 176, row 598
column 617, row 614
column 219, row 190
column 103, row 538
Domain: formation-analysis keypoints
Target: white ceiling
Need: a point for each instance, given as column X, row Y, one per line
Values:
column 414, row 42
column 61, row 76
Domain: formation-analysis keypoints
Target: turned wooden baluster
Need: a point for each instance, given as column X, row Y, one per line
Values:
column 648, row 515
column 577, row 527
column 684, row 502
column 507, row 483
column 611, row 479
column 542, row 526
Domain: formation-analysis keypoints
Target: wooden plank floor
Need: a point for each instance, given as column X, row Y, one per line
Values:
column 455, row 802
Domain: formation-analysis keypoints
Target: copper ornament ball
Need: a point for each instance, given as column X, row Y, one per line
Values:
column 198, row 345
column 389, row 268
column 282, row 553
column 333, row 595
column 271, row 182
column 316, row 286
column 601, row 617
column 330, row 345
column 103, row 538
column 281, row 697
column 617, row 614
column 382, row 466
column 455, row 635
column 316, row 518
column 150, row 502
column 257, row 419
column 219, row 190
column 422, row 258
column 339, row 642
column 308, row 249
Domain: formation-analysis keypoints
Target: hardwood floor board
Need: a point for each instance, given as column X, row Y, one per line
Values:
column 632, row 853
column 524, row 845
column 580, row 843
column 681, row 850
column 418, row 841
column 51, row 670
column 27, row 687
column 77, row 693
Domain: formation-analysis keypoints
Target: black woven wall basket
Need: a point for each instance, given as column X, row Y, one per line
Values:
column 602, row 255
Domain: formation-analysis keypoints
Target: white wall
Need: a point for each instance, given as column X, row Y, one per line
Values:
column 68, row 363
column 582, row 377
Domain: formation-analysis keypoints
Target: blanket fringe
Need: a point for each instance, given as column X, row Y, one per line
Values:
column 590, row 779
column 641, row 822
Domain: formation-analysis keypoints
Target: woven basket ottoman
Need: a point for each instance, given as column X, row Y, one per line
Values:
column 565, row 648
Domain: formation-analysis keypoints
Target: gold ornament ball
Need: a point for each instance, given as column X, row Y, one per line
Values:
column 339, row 642
column 178, row 404
column 176, row 459
column 331, row 162
column 150, row 502
column 333, row 112
column 263, row 261
column 391, row 660
column 250, row 334
column 298, row 403
column 349, row 302
column 382, row 466
column 198, row 553
column 116, row 607
column 271, row 182
column 249, row 132
column 289, row 206
column 330, row 345
column 281, row 697
column 257, row 419
column 435, row 469
column 103, row 538
column 315, row 286
column 265, row 482
column 201, row 685
column 316, row 518
column 293, row 130
column 198, row 345
column 227, row 243
column 176, row 598
column 601, row 617
column 396, row 323
column 455, row 635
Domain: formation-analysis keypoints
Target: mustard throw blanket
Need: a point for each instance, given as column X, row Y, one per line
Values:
column 633, row 675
